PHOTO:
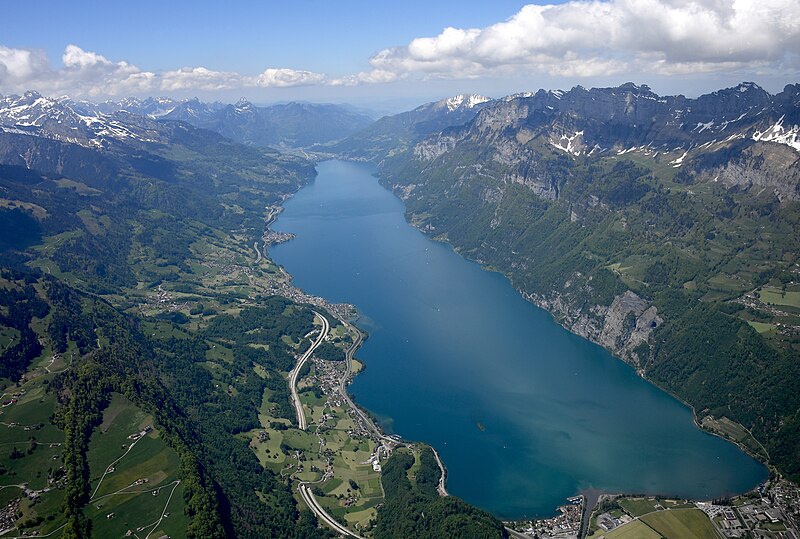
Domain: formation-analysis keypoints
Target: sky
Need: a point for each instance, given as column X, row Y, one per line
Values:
column 380, row 52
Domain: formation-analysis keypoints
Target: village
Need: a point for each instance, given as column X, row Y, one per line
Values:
column 565, row 525
column 773, row 510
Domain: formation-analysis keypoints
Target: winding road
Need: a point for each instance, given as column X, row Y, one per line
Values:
column 303, row 487
column 301, row 416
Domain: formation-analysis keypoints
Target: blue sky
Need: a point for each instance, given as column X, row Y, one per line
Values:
column 331, row 36
column 362, row 51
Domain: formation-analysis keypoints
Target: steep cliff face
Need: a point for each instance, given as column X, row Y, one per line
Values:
column 758, row 168
column 621, row 327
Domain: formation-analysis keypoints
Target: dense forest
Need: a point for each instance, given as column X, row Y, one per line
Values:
column 415, row 509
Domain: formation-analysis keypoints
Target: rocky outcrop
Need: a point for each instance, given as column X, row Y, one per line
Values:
column 628, row 323
column 621, row 327
column 432, row 148
column 764, row 166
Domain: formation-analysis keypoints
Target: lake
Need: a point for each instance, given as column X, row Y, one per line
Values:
column 523, row 413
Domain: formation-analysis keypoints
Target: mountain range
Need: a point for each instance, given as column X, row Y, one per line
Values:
column 664, row 228
column 288, row 125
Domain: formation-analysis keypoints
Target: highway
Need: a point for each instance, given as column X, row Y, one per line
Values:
column 301, row 416
column 304, row 488
column 313, row 504
column 441, row 487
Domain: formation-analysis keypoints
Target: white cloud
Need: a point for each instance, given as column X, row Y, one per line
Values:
column 198, row 78
column 589, row 38
column 20, row 64
column 376, row 76
column 284, row 77
column 86, row 73
column 75, row 57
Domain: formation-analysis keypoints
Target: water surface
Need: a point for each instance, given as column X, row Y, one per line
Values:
column 523, row 412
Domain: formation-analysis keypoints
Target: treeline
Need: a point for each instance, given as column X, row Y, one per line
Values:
column 219, row 415
column 417, row 510
column 124, row 364
column 273, row 318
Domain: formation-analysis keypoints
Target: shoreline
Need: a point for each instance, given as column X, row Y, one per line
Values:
column 527, row 297
column 353, row 317
column 759, row 458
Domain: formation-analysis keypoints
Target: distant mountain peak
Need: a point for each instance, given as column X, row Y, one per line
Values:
column 747, row 86
column 465, row 101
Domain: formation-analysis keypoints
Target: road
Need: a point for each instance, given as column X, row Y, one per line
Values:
column 313, row 504
column 301, row 416
column 440, row 488
column 343, row 387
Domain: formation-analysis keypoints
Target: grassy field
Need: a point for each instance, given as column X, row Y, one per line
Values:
column 31, row 451
column 639, row 506
column 682, row 524
column 762, row 327
column 633, row 530
column 735, row 432
column 276, row 449
column 8, row 338
column 776, row 296
column 144, row 483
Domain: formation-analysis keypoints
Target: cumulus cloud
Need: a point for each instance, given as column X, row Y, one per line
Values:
column 86, row 73
column 199, row 78
column 588, row 38
column 20, row 64
column 284, row 77
column 374, row 76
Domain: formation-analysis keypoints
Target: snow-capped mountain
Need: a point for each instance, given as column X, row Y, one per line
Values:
column 631, row 117
column 133, row 119
column 464, row 101
column 390, row 133
column 741, row 136
column 66, row 121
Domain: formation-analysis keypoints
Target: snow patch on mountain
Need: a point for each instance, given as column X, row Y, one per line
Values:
column 789, row 136
column 465, row 101
column 572, row 144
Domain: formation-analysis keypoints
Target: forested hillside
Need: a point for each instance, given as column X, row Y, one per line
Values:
column 415, row 509
column 122, row 256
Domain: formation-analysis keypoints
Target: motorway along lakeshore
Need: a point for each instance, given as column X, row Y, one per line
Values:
column 523, row 413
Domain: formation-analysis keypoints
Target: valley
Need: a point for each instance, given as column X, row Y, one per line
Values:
column 169, row 368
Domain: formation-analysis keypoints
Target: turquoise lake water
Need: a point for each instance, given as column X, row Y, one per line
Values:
column 523, row 413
